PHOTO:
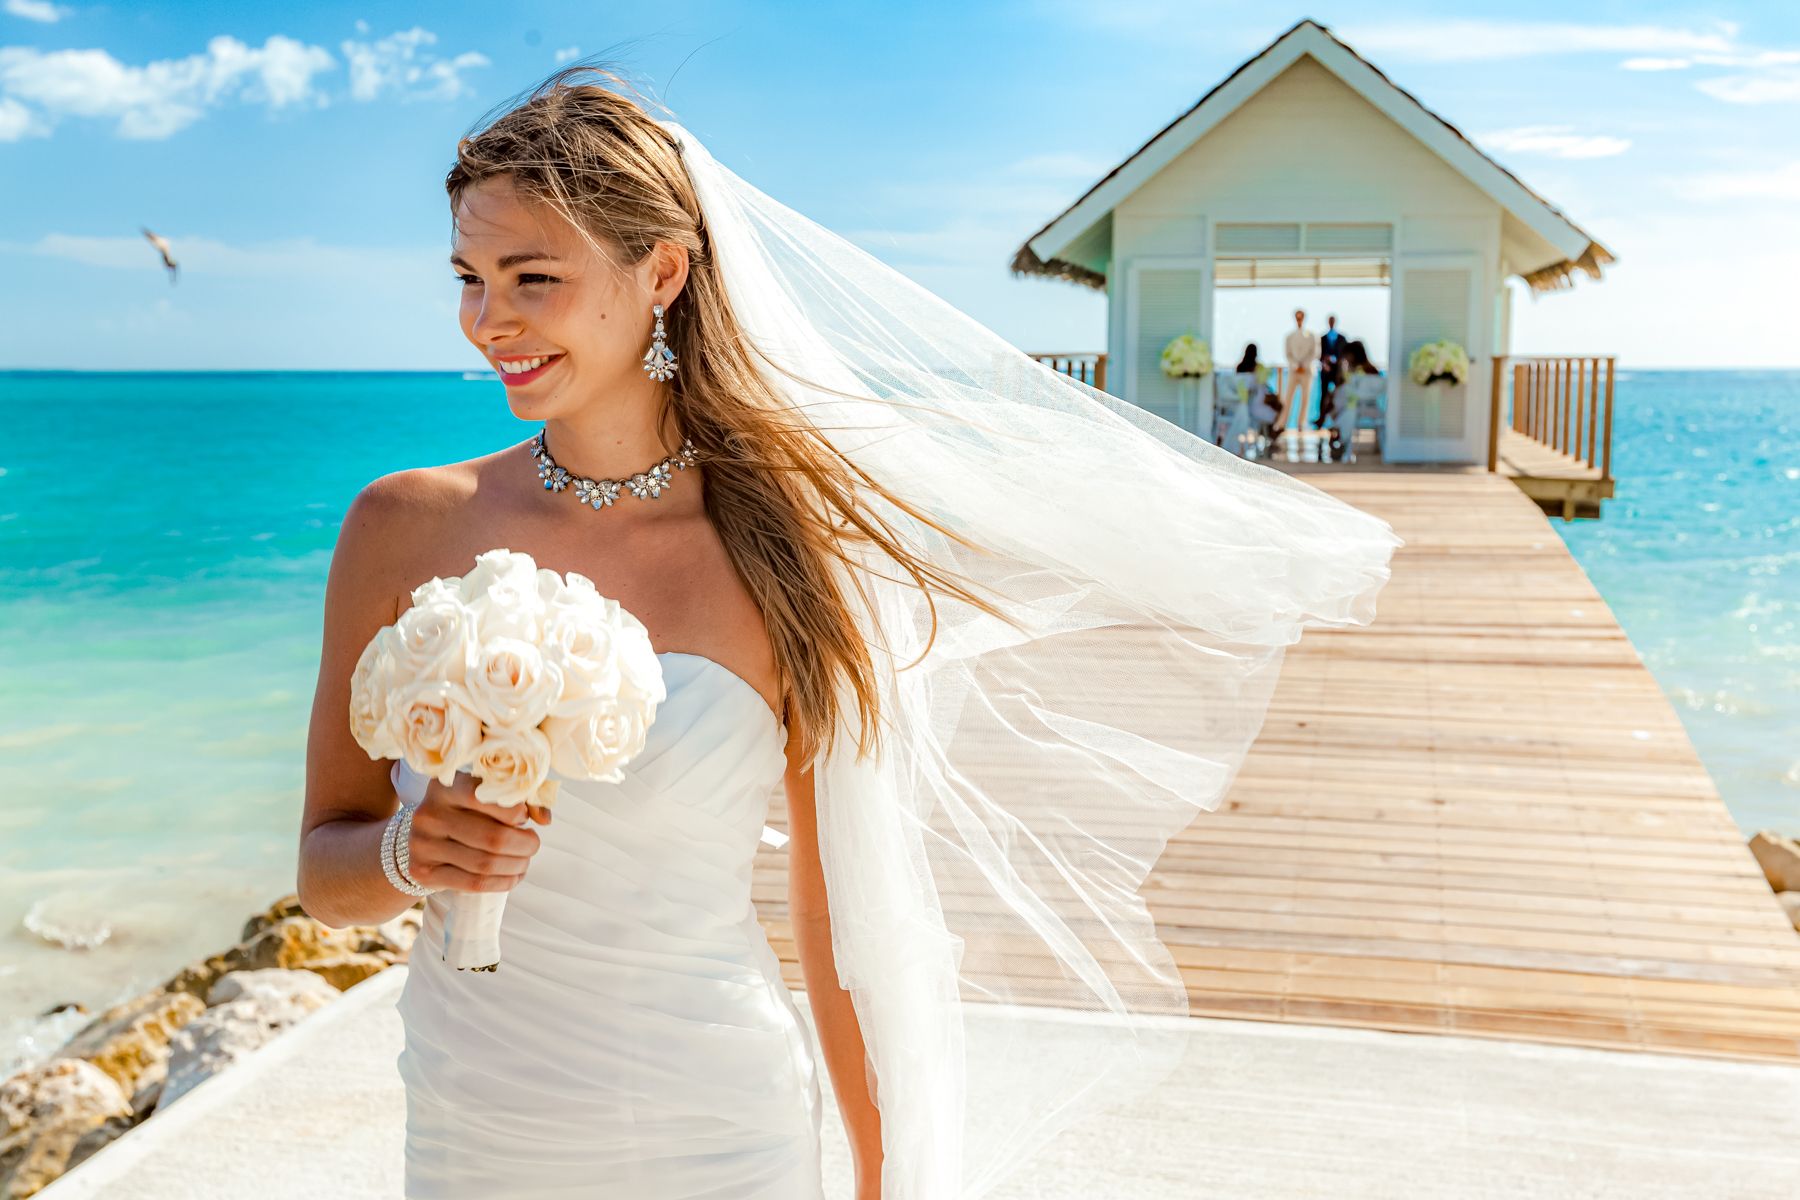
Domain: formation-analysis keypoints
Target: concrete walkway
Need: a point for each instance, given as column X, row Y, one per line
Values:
column 1265, row 1109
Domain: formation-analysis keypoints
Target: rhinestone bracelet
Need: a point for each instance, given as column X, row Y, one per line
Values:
column 403, row 855
column 389, row 863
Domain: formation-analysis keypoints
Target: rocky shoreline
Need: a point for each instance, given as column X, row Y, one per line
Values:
column 142, row 1055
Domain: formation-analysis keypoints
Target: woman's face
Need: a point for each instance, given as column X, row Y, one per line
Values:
column 533, row 288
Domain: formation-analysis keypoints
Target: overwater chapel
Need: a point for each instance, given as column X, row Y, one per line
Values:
column 1309, row 166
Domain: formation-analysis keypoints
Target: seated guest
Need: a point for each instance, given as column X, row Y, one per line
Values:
column 1360, row 383
column 1265, row 404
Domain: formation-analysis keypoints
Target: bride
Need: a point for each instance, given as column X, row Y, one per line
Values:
column 995, row 638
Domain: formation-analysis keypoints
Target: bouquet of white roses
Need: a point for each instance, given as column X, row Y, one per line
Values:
column 512, row 674
column 1439, row 360
column 1186, row 356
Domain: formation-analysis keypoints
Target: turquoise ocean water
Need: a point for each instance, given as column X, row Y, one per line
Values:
column 164, row 542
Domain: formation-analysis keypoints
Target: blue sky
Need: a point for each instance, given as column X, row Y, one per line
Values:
column 294, row 156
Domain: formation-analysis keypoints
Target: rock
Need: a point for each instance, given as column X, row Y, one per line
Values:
column 130, row 1041
column 294, row 943
column 1791, row 902
column 394, row 935
column 143, row 1101
column 247, row 1010
column 45, row 1113
column 1780, row 859
column 100, row 1135
column 281, row 910
column 346, row 971
column 401, row 932
column 272, row 988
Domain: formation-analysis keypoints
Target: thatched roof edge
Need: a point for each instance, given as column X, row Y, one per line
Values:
column 1558, row 276
column 1026, row 262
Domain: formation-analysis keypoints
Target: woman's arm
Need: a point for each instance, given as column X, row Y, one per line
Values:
column 834, row 1015
column 350, row 797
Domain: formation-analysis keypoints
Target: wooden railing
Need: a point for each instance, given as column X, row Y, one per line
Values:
column 1564, row 403
column 1089, row 368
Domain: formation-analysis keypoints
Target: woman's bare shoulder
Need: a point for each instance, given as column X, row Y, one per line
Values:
column 411, row 501
column 396, row 520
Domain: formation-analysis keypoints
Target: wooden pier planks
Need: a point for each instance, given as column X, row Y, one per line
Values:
column 1478, row 816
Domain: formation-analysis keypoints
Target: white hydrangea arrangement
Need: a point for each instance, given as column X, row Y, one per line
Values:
column 510, row 673
column 1187, row 357
column 1439, row 361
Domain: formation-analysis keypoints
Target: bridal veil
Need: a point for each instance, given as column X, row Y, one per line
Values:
column 983, row 870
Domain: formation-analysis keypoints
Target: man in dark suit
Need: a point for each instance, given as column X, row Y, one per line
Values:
column 1331, row 367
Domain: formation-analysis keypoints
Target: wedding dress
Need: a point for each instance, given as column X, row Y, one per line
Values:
column 637, row 1039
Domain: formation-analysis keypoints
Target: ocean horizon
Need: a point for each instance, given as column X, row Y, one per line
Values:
column 162, row 572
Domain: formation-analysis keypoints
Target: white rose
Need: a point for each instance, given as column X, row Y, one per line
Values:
column 371, row 688
column 435, row 727
column 435, row 638
column 496, row 564
column 581, row 643
column 581, row 585
column 593, row 743
column 512, row 766
column 502, row 592
column 549, row 585
column 437, row 586
column 513, row 685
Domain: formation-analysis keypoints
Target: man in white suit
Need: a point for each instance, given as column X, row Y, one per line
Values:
column 1302, row 351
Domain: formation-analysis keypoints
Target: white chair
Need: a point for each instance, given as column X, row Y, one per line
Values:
column 1231, row 412
column 1361, row 402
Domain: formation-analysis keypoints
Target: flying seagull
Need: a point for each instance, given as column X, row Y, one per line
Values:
column 162, row 246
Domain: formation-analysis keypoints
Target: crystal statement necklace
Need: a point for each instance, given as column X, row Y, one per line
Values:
column 645, row 485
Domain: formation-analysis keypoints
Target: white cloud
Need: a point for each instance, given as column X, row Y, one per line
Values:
column 398, row 63
column 37, row 10
column 1780, row 86
column 162, row 97
column 1060, row 167
column 567, row 53
column 18, row 122
column 1471, row 39
column 1770, row 183
column 290, row 259
column 1555, row 141
column 1656, row 64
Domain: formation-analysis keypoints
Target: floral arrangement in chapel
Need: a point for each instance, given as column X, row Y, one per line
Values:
column 1442, row 361
column 509, row 672
column 1187, row 357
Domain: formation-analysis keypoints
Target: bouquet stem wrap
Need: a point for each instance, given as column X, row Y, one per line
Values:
column 471, row 919
column 472, row 930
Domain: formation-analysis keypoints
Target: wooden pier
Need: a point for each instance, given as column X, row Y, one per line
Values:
column 1478, row 816
column 1552, row 434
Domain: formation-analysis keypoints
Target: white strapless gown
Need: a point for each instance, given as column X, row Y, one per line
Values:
column 637, row 1040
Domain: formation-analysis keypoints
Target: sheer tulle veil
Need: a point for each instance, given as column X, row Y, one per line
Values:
column 983, row 869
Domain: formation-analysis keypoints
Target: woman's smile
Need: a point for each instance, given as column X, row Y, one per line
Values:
column 513, row 376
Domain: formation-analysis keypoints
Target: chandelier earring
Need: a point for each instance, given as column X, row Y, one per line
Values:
column 659, row 360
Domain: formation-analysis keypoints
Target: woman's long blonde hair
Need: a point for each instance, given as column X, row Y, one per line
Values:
column 784, row 501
